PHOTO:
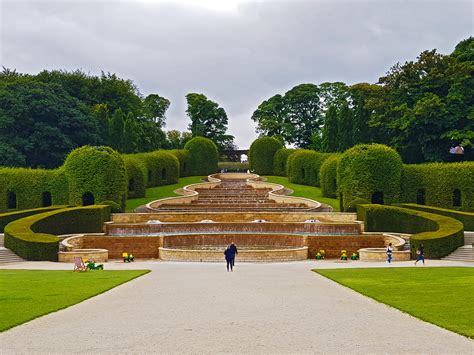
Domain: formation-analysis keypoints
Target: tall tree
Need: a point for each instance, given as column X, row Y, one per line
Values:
column 345, row 128
column 154, row 109
column 330, row 131
column 130, row 135
column 101, row 114
column 271, row 118
column 117, row 124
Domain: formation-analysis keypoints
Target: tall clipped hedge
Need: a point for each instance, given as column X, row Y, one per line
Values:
column 261, row 154
column 328, row 176
column 280, row 161
column 136, row 176
column 99, row 171
column 162, row 167
column 184, row 161
column 34, row 237
column 303, row 167
column 29, row 185
column 466, row 218
column 438, row 181
column 203, row 156
column 368, row 169
column 440, row 235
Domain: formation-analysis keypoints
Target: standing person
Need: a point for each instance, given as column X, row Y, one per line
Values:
column 229, row 258
column 389, row 253
column 233, row 247
column 420, row 254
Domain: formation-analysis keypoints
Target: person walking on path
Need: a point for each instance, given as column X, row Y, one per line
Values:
column 420, row 254
column 233, row 247
column 389, row 253
column 229, row 258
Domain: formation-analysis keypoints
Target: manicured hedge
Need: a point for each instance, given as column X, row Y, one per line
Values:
column 8, row 217
column 99, row 171
column 203, row 156
column 34, row 237
column 261, row 154
column 466, row 218
column 366, row 170
column 303, row 167
column 440, row 235
column 162, row 167
column 352, row 207
column 328, row 176
column 136, row 176
column 280, row 161
column 233, row 166
column 29, row 185
column 184, row 161
column 439, row 180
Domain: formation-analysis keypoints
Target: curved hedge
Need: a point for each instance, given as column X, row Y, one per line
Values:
column 136, row 176
column 367, row 169
column 9, row 217
column 280, row 160
column 184, row 161
column 261, row 155
column 303, row 167
column 440, row 235
column 203, row 156
column 466, row 218
column 29, row 185
column 99, row 171
column 352, row 207
column 328, row 176
column 439, row 180
column 162, row 167
column 34, row 237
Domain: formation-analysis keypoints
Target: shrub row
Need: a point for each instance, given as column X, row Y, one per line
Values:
column 280, row 161
column 184, row 160
column 231, row 166
column 34, row 237
column 303, row 167
column 162, row 168
column 466, row 218
column 440, row 235
column 262, row 153
column 8, row 217
column 328, row 176
column 203, row 155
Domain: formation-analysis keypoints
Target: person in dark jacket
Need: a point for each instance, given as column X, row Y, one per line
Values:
column 229, row 258
column 233, row 247
column 420, row 254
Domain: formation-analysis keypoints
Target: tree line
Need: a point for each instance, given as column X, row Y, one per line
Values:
column 44, row 116
column 422, row 108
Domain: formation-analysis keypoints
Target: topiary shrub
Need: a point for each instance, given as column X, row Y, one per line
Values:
column 466, row 218
column 303, row 167
column 280, row 160
column 22, row 188
column 162, row 167
column 434, row 184
column 261, row 155
column 9, row 217
column 328, row 176
column 203, row 156
column 114, row 206
column 352, row 207
column 371, row 172
column 34, row 237
column 440, row 235
column 184, row 161
column 136, row 176
column 96, row 174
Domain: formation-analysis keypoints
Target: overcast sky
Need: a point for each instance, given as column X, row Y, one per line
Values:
column 236, row 52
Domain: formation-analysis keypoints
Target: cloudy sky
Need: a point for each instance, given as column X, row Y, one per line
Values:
column 236, row 52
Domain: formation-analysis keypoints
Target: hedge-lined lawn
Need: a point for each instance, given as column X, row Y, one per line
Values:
column 155, row 193
column 311, row 192
column 28, row 294
column 439, row 295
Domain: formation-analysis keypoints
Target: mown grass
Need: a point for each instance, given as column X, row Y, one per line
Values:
column 311, row 192
column 439, row 295
column 28, row 294
column 155, row 193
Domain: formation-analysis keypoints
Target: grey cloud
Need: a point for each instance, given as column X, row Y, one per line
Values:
column 236, row 58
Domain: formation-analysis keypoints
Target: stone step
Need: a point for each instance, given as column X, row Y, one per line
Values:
column 464, row 253
column 7, row 256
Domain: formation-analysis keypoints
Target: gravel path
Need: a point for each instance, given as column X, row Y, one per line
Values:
column 201, row 308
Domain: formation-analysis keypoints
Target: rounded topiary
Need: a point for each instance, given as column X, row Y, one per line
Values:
column 352, row 206
column 114, row 206
column 303, row 167
column 280, row 161
column 203, row 156
column 328, row 176
column 96, row 174
column 371, row 172
column 261, row 155
column 136, row 176
column 162, row 167
column 184, row 161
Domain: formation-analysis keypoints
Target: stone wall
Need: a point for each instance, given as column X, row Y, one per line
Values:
column 333, row 245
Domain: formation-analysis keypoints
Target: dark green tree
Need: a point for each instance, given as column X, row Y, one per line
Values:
column 330, row 131
column 117, row 124
column 154, row 109
column 345, row 128
column 130, row 135
column 271, row 118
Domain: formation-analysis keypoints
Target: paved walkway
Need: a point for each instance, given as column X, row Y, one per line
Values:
column 259, row 308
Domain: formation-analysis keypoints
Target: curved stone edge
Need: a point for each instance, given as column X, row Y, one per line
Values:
column 72, row 243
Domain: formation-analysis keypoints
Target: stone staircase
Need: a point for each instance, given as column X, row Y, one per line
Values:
column 464, row 253
column 6, row 255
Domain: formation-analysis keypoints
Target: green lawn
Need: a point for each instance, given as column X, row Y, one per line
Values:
column 440, row 295
column 28, row 294
column 155, row 193
column 311, row 192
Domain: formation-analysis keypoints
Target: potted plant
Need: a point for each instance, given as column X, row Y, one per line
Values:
column 343, row 254
column 320, row 254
